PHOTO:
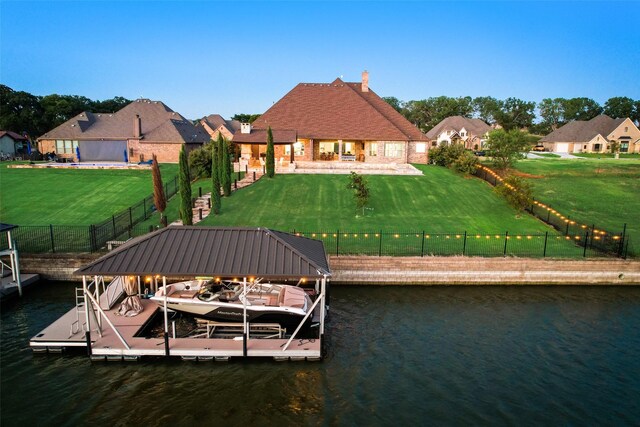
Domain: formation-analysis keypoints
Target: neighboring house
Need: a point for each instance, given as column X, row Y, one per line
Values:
column 460, row 130
column 12, row 143
column 215, row 124
column 335, row 121
column 132, row 134
column 594, row 136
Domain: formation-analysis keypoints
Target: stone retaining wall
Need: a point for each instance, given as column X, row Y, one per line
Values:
column 361, row 270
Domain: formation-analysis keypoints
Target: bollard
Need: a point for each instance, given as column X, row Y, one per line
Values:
column 200, row 214
column 209, row 202
column 199, row 191
column 235, row 184
column 254, row 175
column 246, row 168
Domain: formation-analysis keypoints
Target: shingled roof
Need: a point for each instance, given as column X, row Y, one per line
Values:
column 216, row 120
column 456, row 123
column 583, row 131
column 338, row 110
column 211, row 251
column 12, row 135
column 159, row 124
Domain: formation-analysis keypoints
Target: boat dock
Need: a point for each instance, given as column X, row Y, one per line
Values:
column 64, row 334
column 144, row 264
column 9, row 288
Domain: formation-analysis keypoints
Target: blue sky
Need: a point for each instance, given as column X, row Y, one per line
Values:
column 240, row 57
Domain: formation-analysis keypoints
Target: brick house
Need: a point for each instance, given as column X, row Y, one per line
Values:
column 336, row 121
column 472, row 133
column 132, row 134
column 215, row 124
column 594, row 136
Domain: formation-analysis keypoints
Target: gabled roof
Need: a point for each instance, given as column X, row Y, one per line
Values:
column 456, row 123
column 215, row 251
column 583, row 131
column 338, row 110
column 159, row 124
column 216, row 120
column 12, row 135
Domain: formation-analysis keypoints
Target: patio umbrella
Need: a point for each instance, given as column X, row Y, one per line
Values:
column 131, row 305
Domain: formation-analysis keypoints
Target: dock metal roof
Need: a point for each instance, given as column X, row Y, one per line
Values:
column 215, row 251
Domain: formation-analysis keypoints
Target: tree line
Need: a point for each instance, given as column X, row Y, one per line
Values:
column 513, row 113
column 23, row 112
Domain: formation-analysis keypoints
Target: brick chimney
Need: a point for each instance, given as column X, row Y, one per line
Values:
column 365, row 81
column 137, row 127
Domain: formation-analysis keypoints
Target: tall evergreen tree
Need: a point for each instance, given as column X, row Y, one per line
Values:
column 159, row 197
column 184, row 179
column 219, row 155
column 270, row 161
column 226, row 169
column 215, row 180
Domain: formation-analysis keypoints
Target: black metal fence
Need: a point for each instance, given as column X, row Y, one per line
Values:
column 423, row 243
column 123, row 222
column 92, row 238
column 596, row 238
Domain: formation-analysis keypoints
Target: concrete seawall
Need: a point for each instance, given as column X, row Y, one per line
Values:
column 366, row 270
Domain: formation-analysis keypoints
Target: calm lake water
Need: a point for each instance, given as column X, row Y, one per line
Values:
column 396, row 356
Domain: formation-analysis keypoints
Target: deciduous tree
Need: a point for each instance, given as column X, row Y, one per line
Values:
column 486, row 108
column 506, row 147
column 619, row 107
column 516, row 114
column 581, row 109
column 552, row 112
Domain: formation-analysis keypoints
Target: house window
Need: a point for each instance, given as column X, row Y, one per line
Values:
column 298, row 149
column 393, row 149
column 463, row 134
column 348, row 148
column 66, row 146
column 626, row 129
column 624, row 147
column 373, row 149
column 421, row 147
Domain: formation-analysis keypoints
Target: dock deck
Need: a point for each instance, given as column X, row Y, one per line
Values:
column 8, row 288
column 59, row 335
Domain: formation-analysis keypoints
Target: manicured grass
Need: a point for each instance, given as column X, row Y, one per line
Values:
column 635, row 156
column 547, row 155
column 439, row 201
column 601, row 192
column 71, row 196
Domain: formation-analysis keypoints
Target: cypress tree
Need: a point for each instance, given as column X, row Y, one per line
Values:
column 219, row 155
column 215, row 180
column 271, row 162
column 159, row 198
column 226, row 169
column 186, row 211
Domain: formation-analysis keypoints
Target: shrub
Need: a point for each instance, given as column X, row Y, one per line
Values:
column 516, row 191
column 200, row 161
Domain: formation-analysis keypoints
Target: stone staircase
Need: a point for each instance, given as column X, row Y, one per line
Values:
column 203, row 203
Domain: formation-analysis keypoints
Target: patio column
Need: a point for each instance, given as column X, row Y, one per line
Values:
column 313, row 156
column 291, row 159
column 339, row 149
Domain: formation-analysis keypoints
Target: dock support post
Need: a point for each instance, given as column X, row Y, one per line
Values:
column 166, row 317
column 244, row 309
column 87, row 333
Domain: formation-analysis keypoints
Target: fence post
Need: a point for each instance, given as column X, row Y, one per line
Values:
column 144, row 207
column 544, row 251
column 586, row 239
column 380, row 247
column 130, row 218
column 235, row 184
column 548, row 215
column 337, row 239
column 506, row 239
column 113, row 221
column 464, row 244
column 422, row 247
column 622, row 239
column 53, row 247
column 566, row 230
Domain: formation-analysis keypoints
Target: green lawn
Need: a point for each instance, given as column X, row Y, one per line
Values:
column 547, row 155
column 601, row 192
column 71, row 197
column 634, row 156
column 439, row 201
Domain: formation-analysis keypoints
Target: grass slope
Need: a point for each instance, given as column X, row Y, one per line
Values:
column 439, row 201
column 71, row 197
column 601, row 192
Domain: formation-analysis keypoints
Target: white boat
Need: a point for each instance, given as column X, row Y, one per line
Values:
column 225, row 301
